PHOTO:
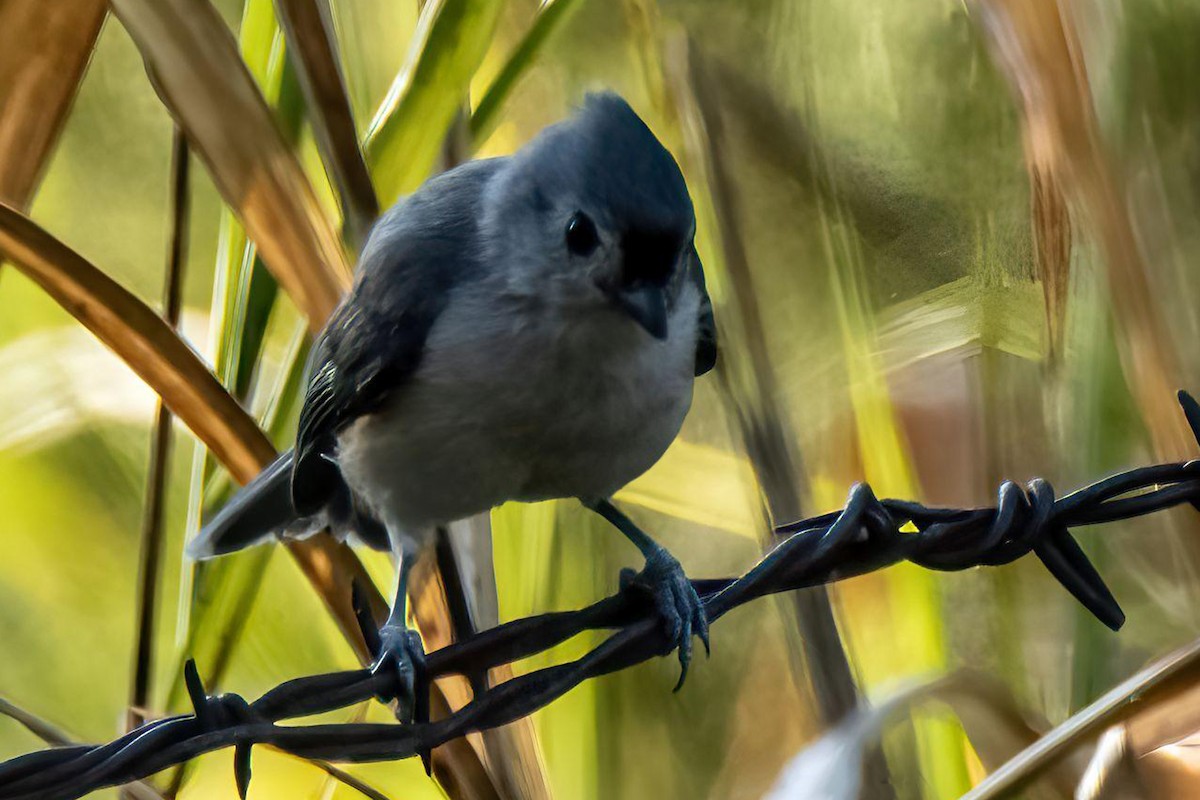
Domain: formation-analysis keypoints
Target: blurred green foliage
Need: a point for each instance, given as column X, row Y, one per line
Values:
column 885, row 206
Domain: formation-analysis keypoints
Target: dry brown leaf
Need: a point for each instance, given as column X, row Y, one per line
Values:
column 1156, row 753
column 1166, row 723
column 1110, row 773
column 1164, row 745
column 1159, row 685
column 1171, row 772
column 308, row 29
column 44, row 48
column 511, row 752
column 193, row 61
column 1035, row 45
column 1052, row 248
column 514, row 753
column 333, row 569
column 145, row 342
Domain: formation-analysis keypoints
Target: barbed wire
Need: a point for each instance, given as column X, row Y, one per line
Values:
column 863, row 537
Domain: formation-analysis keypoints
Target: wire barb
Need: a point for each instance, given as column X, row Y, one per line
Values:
column 241, row 768
column 863, row 537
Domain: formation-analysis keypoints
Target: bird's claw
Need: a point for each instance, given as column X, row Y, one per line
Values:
column 402, row 659
column 676, row 601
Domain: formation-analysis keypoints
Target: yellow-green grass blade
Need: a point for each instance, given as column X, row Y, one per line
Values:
column 407, row 133
column 225, row 589
column 244, row 295
column 219, row 599
column 887, row 466
column 261, row 47
column 551, row 17
column 536, row 574
column 245, row 290
column 703, row 485
column 236, row 315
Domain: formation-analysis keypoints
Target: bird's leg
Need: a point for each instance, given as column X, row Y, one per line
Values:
column 401, row 653
column 663, row 579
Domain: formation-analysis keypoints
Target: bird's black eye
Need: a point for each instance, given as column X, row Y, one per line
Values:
column 581, row 234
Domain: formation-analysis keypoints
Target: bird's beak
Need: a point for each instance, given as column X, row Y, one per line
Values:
column 648, row 307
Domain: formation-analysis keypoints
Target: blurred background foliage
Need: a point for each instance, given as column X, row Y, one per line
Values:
column 916, row 281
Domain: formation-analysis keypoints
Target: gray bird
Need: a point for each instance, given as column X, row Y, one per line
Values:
column 520, row 328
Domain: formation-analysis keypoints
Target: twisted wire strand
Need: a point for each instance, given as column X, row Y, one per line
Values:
column 864, row 536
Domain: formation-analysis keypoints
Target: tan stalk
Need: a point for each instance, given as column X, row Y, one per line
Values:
column 1051, row 224
column 1035, row 45
column 308, row 28
column 193, row 61
column 1154, row 687
column 44, row 48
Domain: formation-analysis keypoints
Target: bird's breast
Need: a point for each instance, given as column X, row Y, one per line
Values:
column 599, row 424
column 522, row 406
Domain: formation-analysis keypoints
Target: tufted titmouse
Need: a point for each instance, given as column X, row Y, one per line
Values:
column 521, row 328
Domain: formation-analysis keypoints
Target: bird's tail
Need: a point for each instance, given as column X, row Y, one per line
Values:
column 259, row 510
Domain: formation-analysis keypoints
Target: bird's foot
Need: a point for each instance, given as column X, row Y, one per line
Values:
column 678, row 606
column 402, row 659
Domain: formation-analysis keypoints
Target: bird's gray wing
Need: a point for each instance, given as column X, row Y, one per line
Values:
column 374, row 342
column 358, row 361
column 706, row 341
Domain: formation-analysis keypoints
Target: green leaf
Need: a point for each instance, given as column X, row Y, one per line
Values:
column 225, row 589
column 550, row 19
column 408, row 131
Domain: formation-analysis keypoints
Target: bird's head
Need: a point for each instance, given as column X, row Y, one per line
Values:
column 595, row 214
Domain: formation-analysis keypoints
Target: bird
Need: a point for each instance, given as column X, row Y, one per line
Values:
column 520, row 328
